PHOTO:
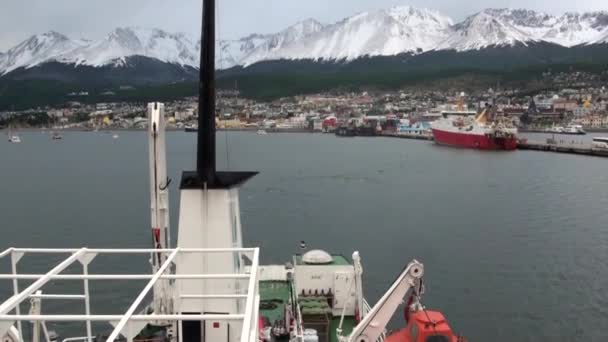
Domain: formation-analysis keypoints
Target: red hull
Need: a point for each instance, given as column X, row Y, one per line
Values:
column 480, row 142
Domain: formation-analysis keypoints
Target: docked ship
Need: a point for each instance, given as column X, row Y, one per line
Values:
column 570, row 130
column 208, row 287
column 476, row 132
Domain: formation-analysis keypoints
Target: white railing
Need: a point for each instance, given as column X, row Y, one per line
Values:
column 128, row 323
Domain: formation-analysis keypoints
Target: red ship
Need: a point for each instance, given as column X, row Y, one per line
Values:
column 471, row 132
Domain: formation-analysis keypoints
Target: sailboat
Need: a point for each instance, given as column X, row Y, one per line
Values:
column 55, row 134
column 209, row 288
column 13, row 137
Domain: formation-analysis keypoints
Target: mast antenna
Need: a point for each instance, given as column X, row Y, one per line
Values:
column 206, row 175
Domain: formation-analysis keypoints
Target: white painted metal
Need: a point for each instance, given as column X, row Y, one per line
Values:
column 123, row 250
column 358, row 284
column 209, row 218
column 325, row 278
column 14, row 301
column 35, row 309
column 108, row 318
column 15, row 257
column 159, row 198
column 58, row 296
column 140, row 298
column 214, row 296
column 129, row 323
column 372, row 327
column 251, row 309
column 124, row 276
column 344, row 293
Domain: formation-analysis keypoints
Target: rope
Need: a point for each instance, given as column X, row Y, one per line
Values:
column 427, row 314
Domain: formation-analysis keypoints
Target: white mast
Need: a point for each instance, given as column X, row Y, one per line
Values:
column 159, row 198
column 209, row 217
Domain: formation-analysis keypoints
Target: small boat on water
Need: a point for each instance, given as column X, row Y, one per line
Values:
column 12, row 136
column 600, row 143
column 555, row 129
column 56, row 136
column 191, row 128
column 574, row 129
column 570, row 129
column 14, row 139
column 262, row 132
column 115, row 136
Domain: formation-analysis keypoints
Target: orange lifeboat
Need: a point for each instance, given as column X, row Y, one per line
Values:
column 425, row 326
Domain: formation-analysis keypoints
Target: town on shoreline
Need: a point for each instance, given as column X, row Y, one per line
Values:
column 575, row 103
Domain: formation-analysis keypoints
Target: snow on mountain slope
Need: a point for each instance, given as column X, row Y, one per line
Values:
column 567, row 30
column 377, row 33
column 125, row 42
column 484, row 29
column 259, row 47
column 603, row 38
column 384, row 32
column 273, row 45
column 230, row 52
column 573, row 28
column 35, row 50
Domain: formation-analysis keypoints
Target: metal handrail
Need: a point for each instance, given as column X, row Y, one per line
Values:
column 83, row 255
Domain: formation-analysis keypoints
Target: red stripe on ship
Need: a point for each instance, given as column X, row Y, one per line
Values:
column 481, row 142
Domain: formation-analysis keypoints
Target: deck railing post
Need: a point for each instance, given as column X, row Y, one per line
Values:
column 15, row 257
column 87, row 301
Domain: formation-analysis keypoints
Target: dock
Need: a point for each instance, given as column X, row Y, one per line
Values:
column 581, row 149
column 407, row 135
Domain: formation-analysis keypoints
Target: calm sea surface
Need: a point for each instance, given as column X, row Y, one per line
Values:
column 515, row 244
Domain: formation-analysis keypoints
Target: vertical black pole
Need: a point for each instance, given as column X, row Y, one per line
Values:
column 205, row 164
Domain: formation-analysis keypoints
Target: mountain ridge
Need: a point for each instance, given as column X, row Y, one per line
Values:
column 384, row 32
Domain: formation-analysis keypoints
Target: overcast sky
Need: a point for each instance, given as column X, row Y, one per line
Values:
column 92, row 19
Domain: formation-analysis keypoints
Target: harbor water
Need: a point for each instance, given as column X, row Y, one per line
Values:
column 515, row 244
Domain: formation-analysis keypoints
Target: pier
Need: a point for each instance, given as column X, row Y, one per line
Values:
column 581, row 149
column 402, row 135
column 548, row 146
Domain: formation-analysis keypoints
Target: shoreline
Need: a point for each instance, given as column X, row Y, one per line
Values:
column 588, row 130
column 168, row 129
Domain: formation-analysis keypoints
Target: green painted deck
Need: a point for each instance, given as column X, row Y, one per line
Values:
column 347, row 327
column 339, row 260
column 314, row 305
column 274, row 295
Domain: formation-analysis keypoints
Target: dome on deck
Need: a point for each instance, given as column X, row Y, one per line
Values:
column 317, row 257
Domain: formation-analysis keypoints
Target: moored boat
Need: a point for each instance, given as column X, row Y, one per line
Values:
column 600, row 143
column 574, row 130
column 12, row 136
column 474, row 132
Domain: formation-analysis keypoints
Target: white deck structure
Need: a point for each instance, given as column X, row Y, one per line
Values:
column 130, row 322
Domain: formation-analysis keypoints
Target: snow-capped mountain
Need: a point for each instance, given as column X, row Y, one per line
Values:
column 603, row 39
column 37, row 49
column 262, row 47
column 574, row 29
column 384, row 32
column 509, row 27
column 113, row 49
column 482, row 30
column 174, row 48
